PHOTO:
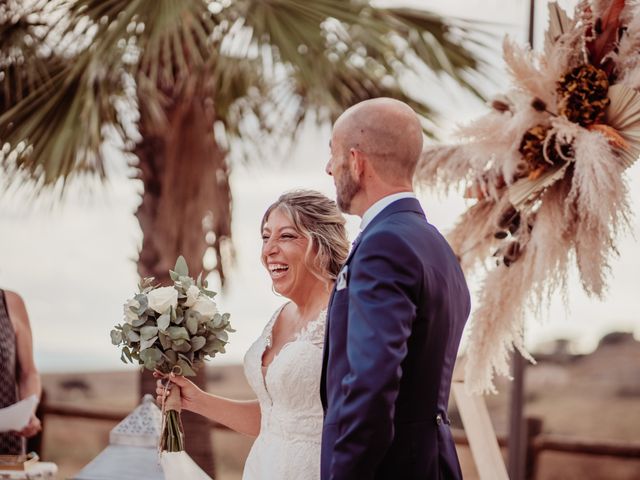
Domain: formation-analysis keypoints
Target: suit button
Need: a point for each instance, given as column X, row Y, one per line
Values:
column 438, row 419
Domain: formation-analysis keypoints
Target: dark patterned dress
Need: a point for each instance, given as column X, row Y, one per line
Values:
column 10, row 444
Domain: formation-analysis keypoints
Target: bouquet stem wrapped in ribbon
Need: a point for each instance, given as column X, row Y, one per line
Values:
column 172, row 435
column 172, row 329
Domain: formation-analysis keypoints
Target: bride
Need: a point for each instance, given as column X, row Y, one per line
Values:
column 304, row 245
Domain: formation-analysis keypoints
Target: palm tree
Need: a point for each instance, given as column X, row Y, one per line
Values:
column 187, row 85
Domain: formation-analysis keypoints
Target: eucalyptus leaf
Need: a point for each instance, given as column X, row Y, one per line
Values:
column 144, row 344
column 172, row 357
column 182, row 346
column 222, row 335
column 209, row 293
column 150, row 357
column 181, row 267
column 187, row 371
column 148, row 332
column 127, row 353
column 150, row 364
column 165, row 341
column 197, row 343
column 177, row 333
column 116, row 337
column 143, row 301
column 192, row 323
column 187, row 358
column 138, row 322
column 213, row 345
column 163, row 321
column 153, row 353
column 133, row 336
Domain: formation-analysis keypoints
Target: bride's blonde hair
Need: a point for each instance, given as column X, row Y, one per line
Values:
column 318, row 218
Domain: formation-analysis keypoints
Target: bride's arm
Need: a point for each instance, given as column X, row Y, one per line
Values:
column 243, row 416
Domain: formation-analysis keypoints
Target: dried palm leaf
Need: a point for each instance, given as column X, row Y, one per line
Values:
column 525, row 189
column 473, row 236
column 623, row 114
column 559, row 25
column 605, row 32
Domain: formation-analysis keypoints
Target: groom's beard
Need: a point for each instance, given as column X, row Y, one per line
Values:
column 346, row 188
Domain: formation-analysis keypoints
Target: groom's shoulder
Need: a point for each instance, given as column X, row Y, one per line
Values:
column 392, row 235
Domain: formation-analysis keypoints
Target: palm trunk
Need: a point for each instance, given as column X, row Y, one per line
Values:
column 186, row 208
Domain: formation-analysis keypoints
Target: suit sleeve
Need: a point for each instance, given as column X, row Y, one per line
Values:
column 384, row 275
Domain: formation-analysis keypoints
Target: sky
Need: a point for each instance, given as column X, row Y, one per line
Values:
column 74, row 261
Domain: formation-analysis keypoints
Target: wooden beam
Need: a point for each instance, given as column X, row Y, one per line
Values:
column 479, row 429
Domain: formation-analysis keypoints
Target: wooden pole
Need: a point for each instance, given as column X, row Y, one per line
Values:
column 481, row 436
column 516, row 447
column 517, row 432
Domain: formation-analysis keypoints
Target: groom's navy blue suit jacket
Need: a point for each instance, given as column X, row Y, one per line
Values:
column 391, row 340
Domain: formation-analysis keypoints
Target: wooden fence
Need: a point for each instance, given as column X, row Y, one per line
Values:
column 537, row 441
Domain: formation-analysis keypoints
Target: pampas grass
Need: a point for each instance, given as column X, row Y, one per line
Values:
column 521, row 65
column 600, row 193
column 573, row 209
column 472, row 237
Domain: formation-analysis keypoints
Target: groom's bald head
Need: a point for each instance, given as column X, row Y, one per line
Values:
column 387, row 132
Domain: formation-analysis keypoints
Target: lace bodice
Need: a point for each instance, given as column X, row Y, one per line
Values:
column 289, row 396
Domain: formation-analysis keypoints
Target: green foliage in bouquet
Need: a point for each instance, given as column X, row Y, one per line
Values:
column 174, row 328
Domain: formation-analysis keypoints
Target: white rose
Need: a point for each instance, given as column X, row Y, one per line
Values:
column 161, row 299
column 205, row 307
column 130, row 316
column 193, row 293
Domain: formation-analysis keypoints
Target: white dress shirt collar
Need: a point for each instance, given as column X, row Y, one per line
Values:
column 380, row 205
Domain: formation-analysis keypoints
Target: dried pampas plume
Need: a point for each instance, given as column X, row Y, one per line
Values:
column 546, row 167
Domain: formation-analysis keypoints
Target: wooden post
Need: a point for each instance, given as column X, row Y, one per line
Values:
column 534, row 429
column 483, row 442
column 517, row 447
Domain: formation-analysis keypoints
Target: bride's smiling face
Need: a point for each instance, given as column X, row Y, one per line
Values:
column 284, row 251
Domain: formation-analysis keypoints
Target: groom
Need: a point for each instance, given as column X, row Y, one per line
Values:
column 396, row 313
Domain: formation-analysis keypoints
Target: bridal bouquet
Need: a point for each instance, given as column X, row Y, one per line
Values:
column 172, row 329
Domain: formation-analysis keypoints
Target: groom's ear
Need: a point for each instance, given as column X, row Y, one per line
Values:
column 356, row 162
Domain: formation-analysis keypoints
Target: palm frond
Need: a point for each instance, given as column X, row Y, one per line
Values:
column 24, row 62
column 268, row 63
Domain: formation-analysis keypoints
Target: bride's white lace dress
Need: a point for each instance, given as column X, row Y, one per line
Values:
column 288, row 446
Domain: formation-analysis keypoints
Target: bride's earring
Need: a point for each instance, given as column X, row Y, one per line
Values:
column 273, row 289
